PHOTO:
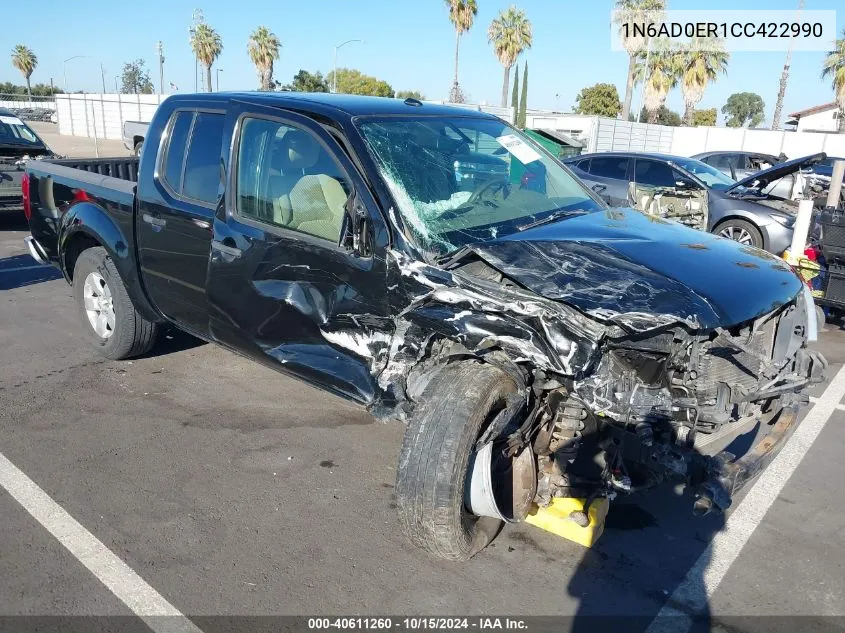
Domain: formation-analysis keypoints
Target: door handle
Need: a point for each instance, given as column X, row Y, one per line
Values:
column 153, row 220
column 227, row 250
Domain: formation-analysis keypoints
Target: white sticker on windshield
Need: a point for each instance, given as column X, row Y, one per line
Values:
column 10, row 120
column 523, row 151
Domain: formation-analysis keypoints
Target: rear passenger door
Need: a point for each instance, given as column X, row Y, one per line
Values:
column 174, row 220
column 281, row 287
column 611, row 173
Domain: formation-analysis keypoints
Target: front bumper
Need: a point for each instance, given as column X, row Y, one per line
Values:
column 776, row 237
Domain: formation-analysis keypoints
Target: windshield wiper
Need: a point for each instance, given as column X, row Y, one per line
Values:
column 452, row 256
column 552, row 217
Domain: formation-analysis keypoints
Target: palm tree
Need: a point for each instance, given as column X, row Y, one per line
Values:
column 834, row 69
column 461, row 14
column 263, row 47
column 628, row 13
column 207, row 46
column 510, row 34
column 701, row 62
column 784, row 76
column 25, row 61
column 661, row 73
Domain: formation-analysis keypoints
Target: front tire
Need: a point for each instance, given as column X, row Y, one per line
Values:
column 109, row 319
column 454, row 409
column 740, row 231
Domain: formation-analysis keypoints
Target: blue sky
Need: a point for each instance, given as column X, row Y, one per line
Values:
column 409, row 44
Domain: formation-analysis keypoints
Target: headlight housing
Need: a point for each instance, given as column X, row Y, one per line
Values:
column 787, row 221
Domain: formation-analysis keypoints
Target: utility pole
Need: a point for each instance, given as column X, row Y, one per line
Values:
column 103, row 75
column 219, row 70
column 160, row 51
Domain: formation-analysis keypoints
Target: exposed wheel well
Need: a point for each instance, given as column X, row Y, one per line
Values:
column 78, row 243
column 137, row 139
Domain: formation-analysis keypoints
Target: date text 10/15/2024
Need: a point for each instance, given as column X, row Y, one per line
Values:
column 418, row 624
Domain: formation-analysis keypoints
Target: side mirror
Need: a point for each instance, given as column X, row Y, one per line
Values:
column 685, row 185
column 357, row 232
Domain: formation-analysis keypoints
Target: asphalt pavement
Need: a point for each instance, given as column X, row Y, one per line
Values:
column 228, row 489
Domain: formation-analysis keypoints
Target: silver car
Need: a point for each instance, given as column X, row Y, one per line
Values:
column 698, row 194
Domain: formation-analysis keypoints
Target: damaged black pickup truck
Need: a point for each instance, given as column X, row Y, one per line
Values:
column 437, row 266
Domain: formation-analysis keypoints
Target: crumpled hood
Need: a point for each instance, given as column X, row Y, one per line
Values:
column 642, row 271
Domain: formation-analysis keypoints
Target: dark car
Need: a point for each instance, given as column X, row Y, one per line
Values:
column 18, row 143
column 697, row 193
column 523, row 330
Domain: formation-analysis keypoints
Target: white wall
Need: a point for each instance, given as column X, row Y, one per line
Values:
column 103, row 115
column 48, row 104
column 819, row 121
column 687, row 141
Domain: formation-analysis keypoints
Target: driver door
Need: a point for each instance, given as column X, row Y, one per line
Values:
column 661, row 190
column 281, row 288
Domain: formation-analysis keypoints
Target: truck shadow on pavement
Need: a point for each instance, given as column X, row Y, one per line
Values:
column 652, row 544
column 21, row 270
column 171, row 341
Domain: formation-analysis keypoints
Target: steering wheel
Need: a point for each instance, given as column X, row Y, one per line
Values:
column 499, row 183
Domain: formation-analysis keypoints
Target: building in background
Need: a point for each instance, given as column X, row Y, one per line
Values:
column 821, row 118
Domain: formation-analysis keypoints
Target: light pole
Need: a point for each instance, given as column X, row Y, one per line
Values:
column 160, row 51
column 219, row 70
column 334, row 78
column 64, row 67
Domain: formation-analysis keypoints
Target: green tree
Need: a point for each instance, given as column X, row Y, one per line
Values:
column 661, row 70
column 263, row 48
column 25, row 61
column 523, row 101
column 510, row 35
column 662, row 116
column 461, row 14
column 628, row 13
column 744, row 108
column 701, row 62
column 515, row 95
column 833, row 68
column 303, row 81
column 410, row 94
column 135, row 78
column 354, row 82
column 704, row 117
column 207, row 46
column 599, row 99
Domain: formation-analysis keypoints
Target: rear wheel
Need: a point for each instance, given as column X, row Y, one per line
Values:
column 455, row 408
column 137, row 150
column 109, row 319
column 740, row 231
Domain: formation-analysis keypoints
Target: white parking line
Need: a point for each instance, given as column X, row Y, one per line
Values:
column 710, row 569
column 117, row 576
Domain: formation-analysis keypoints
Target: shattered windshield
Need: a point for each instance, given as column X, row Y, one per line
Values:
column 460, row 180
column 710, row 176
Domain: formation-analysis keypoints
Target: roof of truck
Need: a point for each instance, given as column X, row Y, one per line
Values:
column 350, row 105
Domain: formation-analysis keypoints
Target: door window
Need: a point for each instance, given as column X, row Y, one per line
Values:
column 610, row 167
column 202, row 164
column 174, row 153
column 653, row 173
column 287, row 178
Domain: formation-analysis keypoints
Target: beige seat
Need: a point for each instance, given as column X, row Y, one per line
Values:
column 305, row 198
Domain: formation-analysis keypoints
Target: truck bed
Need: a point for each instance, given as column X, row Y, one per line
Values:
column 55, row 184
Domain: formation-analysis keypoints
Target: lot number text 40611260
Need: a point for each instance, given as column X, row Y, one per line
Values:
column 418, row 624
